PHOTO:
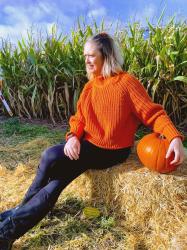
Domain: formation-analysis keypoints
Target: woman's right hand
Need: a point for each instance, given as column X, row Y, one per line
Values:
column 72, row 148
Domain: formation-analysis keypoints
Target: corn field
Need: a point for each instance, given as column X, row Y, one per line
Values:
column 42, row 78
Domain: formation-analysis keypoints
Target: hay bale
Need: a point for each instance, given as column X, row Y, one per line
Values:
column 179, row 241
column 149, row 205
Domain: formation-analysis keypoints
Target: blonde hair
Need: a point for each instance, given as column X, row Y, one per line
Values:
column 110, row 51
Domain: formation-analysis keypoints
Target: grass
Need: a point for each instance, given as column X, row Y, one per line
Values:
column 24, row 142
column 19, row 132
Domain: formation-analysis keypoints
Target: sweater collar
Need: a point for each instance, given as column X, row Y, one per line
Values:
column 100, row 81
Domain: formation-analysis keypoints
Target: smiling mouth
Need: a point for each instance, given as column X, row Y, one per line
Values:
column 90, row 66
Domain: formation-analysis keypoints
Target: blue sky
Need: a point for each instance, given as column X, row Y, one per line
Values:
column 17, row 16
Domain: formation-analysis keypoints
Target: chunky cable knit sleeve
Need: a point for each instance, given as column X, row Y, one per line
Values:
column 151, row 114
column 77, row 121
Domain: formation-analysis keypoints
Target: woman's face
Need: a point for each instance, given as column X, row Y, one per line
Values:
column 93, row 59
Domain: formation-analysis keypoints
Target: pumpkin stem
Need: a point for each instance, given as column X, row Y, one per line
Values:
column 161, row 136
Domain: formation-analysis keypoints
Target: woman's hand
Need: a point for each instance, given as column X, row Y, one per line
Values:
column 176, row 146
column 72, row 148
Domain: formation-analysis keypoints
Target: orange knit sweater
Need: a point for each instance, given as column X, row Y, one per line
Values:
column 110, row 110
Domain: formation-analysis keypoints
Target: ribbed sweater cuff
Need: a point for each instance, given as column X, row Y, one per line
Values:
column 171, row 132
column 78, row 132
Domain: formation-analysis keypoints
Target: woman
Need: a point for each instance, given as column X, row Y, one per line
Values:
column 111, row 106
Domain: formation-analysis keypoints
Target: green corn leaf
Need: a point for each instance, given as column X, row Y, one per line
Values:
column 181, row 79
column 161, row 16
column 182, row 63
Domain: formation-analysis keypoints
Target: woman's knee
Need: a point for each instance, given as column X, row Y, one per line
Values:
column 51, row 155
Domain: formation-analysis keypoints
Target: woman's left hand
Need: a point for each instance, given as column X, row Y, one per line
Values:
column 176, row 146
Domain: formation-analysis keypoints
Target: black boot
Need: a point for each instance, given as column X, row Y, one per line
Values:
column 28, row 215
column 6, row 242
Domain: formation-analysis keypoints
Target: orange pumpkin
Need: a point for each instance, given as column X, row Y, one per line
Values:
column 152, row 149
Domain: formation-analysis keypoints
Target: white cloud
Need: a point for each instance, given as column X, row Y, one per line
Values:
column 45, row 7
column 42, row 14
column 17, row 23
column 15, row 15
column 148, row 12
column 20, row 19
column 99, row 12
column 93, row 2
column 73, row 6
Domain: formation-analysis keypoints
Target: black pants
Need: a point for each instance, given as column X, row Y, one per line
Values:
column 54, row 173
